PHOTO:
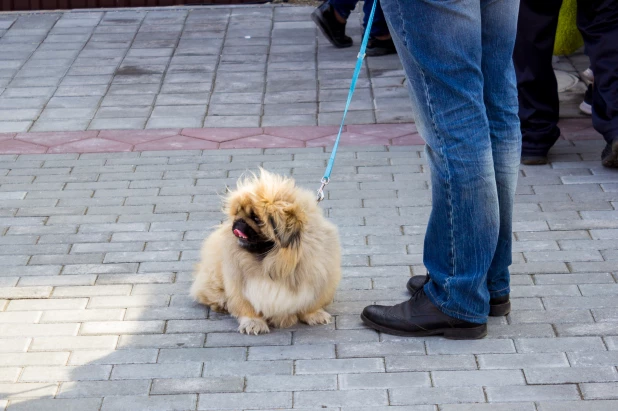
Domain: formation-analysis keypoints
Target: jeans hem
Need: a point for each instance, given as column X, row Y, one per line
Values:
column 500, row 293
column 455, row 314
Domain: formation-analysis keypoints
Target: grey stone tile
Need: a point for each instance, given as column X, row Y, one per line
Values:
column 232, row 121
column 119, row 123
column 14, row 126
column 172, row 122
column 61, row 125
column 179, row 111
column 129, row 100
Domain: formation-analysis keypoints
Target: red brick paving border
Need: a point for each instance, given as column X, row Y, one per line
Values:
column 223, row 138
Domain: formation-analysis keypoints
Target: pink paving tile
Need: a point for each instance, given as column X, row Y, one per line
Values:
column 55, row 138
column 386, row 130
column 349, row 139
column 263, row 141
column 138, row 136
column 409, row 140
column 302, row 133
column 221, row 134
column 92, row 145
column 7, row 136
column 177, row 143
column 20, row 147
column 582, row 135
column 574, row 124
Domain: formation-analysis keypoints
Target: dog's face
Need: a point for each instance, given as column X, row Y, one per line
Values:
column 265, row 214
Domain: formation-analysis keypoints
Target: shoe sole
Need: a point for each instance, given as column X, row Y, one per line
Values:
column 474, row 333
column 534, row 161
column 317, row 19
column 495, row 310
column 611, row 160
column 379, row 51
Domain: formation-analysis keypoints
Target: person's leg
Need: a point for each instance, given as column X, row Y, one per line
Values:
column 500, row 96
column 343, row 7
column 536, row 81
column 597, row 20
column 379, row 28
column 380, row 41
column 440, row 46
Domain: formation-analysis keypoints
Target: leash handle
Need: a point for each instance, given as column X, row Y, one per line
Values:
column 359, row 64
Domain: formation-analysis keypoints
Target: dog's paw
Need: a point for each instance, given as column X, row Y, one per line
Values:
column 284, row 321
column 253, row 326
column 317, row 317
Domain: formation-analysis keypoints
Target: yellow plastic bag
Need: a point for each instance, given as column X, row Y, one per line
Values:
column 568, row 37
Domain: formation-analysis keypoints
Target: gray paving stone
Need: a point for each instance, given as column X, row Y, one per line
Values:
column 86, row 389
column 240, row 368
column 161, row 341
column 384, row 380
column 600, row 391
column 157, row 402
column 85, row 404
column 519, row 406
column 436, row 395
column 351, row 398
column 197, row 385
column 486, row 378
column 577, row 405
column 243, row 400
column 532, row 393
column 293, row 352
column 73, row 343
column 514, row 361
column 570, row 375
column 68, row 373
column 240, row 340
column 145, row 371
column 227, row 354
column 339, row 366
column 137, row 356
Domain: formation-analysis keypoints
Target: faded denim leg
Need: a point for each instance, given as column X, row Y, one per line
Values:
column 449, row 50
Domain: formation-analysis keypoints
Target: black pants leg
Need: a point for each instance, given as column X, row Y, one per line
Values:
column 536, row 81
column 597, row 20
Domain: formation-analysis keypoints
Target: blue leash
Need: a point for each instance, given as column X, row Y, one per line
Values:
column 359, row 62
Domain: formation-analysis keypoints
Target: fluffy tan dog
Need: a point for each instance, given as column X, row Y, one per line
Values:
column 276, row 260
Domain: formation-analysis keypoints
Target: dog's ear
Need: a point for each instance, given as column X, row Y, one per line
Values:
column 238, row 201
column 287, row 220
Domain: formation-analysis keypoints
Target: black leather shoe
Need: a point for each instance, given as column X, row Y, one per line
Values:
column 333, row 30
column 498, row 307
column 418, row 317
column 609, row 157
column 377, row 47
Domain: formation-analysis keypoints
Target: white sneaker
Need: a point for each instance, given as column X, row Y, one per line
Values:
column 588, row 75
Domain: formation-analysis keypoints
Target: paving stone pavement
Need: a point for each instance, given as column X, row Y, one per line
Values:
column 185, row 67
column 192, row 67
column 97, row 251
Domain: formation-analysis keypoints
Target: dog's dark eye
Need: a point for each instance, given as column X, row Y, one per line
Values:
column 256, row 219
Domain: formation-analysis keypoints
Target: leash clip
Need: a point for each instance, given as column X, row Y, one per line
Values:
column 324, row 182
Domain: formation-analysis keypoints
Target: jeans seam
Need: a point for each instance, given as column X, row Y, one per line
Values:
column 442, row 155
column 497, row 291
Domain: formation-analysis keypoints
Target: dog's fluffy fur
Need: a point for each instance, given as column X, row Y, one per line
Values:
column 276, row 260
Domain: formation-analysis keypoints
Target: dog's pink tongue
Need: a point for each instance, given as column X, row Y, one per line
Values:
column 239, row 233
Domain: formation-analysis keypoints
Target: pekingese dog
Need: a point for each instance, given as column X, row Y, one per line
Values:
column 275, row 261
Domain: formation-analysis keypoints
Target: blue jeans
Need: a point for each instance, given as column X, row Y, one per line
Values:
column 457, row 57
column 345, row 7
